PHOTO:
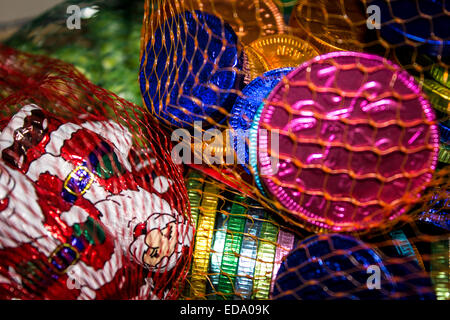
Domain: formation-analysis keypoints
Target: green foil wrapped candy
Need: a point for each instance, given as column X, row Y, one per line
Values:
column 105, row 48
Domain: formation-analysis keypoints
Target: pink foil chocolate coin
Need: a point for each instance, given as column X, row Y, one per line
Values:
column 357, row 142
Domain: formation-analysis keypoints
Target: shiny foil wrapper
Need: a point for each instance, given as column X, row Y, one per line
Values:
column 189, row 75
column 357, row 142
column 334, row 266
column 242, row 245
column 77, row 208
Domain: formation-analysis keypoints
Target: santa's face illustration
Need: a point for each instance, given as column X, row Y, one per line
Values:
column 157, row 247
column 89, row 166
column 160, row 244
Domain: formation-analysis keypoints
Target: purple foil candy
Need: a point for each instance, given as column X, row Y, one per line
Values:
column 357, row 142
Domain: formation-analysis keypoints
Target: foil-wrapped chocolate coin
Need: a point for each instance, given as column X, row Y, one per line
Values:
column 437, row 212
column 440, row 271
column 438, row 94
column 357, row 142
column 444, row 131
column 330, row 25
column 254, row 64
column 250, row 19
column 246, row 106
column 252, row 149
column 424, row 24
column 444, row 146
column 334, row 266
column 282, row 50
column 440, row 74
column 444, row 153
column 188, row 74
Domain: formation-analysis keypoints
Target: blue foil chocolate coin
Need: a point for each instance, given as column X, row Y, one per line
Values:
column 190, row 69
column 423, row 22
column 252, row 148
column 245, row 107
column 444, row 131
column 334, row 266
column 438, row 212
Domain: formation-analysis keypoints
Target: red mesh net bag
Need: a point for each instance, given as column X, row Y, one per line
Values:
column 91, row 205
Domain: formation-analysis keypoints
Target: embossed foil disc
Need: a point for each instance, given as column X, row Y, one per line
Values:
column 250, row 19
column 444, row 130
column 439, row 265
column 439, row 72
column 274, row 52
column 423, row 24
column 437, row 211
column 444, row 153
column 280, row 51
column 190, row 74
column 334, row 266
column 254, row 64
column 357, row 142
column 438, row 94
column 245, row 107
column 329, row 25
column 444, row 147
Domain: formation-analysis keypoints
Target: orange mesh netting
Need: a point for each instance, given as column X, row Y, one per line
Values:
column 192, row 65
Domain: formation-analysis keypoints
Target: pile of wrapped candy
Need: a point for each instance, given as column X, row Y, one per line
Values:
column 252, row 149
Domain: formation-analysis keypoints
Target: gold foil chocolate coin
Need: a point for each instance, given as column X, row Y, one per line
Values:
column 254, row 64
column 441, row 74
column 283, row 50
column 438, row 95
column 250, row 19
column 330, row 25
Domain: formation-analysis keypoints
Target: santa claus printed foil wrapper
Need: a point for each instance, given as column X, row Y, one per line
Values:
column 81, row 210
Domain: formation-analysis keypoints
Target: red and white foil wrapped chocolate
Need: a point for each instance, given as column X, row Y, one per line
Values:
column 357, row 142
column 81, row 210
